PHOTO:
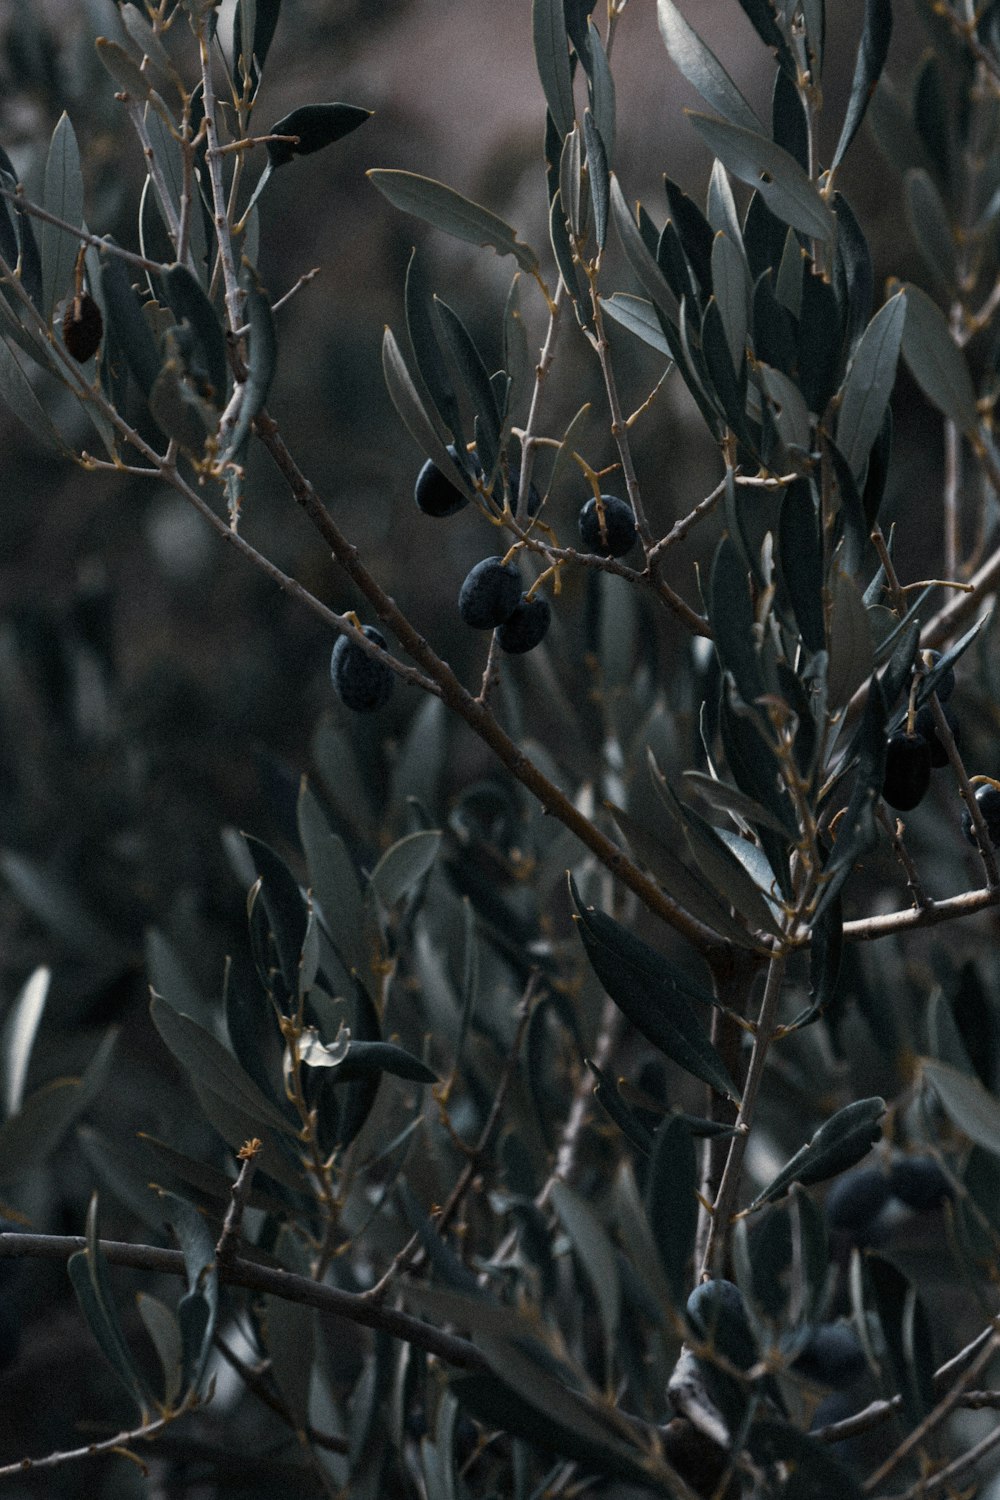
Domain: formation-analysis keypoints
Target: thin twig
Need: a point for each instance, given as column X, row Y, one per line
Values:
column 878, row 1411
column 232, row 1225
column 36, row 211
column 528, row 436
column 892, row 827
column 725, row 1204
column 943, row 730
column 120, row 1444
column 255, row 1382
column 619, row 429
column 286, row 297
column 412, row 1255
column 155, row 174
column 935, row 1417
column 946, row 1476
column 213, row 157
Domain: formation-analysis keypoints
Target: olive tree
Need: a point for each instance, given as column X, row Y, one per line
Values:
column 609, row 1124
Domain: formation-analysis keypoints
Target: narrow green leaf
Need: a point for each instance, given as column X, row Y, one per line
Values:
column 333, row 880
column 868, row 385
column 720, row 207
column 839, row 1143
column 406, row 399
column 570, row 182
column 906, row 1331
column 730, row 610
column 731, row 291
column 437, row 395
column 262, row 355
column 762, row 16
column 20, row 1030
column 789, row 409
column 682, row 885
column 672, row 1203
column 936, row 362
column 637, row 254
column 404, row 865
column 931, row 228
column 316, row 125
column 62, row 196
column 188, row 301
column 702, row 68
column 966, row 1103
column 447, row 210
column 165, row 1335
column 652, row 994
column 872, row 51
column 128, row 323
column 602, row 92
column 726, row 798
column 563, row 252
column 851, row 643
column 88, row 1274
column 469, row 363
column 284, row 906
column 19, row 395
column 198, row 1310
column 126, row 73
column 597, row 171
column 596, row 1255
column 211, row 1066
column 367, row 1060
column 718, row 864
column 800, row 556
column 30, row 1136
column 639, row 317
column 548, row 29
column 777, row 176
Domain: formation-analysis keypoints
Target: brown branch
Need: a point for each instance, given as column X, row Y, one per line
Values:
column 118, row 1444
column 867, row 929
column 352, row 1306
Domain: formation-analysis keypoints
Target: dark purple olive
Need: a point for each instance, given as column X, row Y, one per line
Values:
column 435, row 493
column 608, row 530
column 362, row 682
column 526, row 626
column 855, row 1201
column 907, row 771
column 490, row 594
column 82, row 327
column 919, row 1182
column 988, row 801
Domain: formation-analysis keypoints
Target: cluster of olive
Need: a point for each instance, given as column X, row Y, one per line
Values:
column 913, row 752
column 491, row 597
